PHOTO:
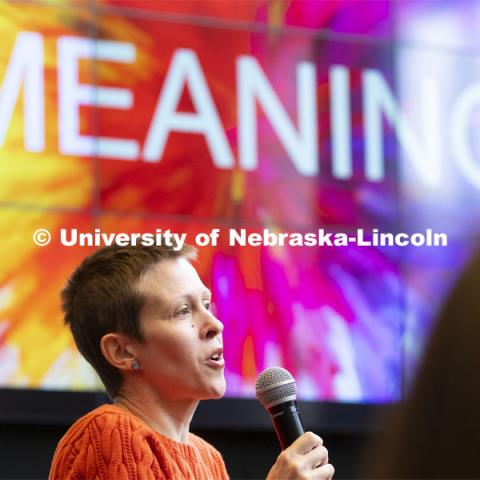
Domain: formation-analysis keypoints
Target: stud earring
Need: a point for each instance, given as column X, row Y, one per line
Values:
column 135, row 365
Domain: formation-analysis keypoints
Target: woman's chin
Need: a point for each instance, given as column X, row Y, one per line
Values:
column 217, row 390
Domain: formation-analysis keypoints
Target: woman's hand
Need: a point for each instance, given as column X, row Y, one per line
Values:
column 306, row 458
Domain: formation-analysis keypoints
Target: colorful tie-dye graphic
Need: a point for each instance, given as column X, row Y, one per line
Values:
column 348, row 322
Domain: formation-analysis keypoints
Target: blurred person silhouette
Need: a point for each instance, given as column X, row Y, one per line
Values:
column 435, row 433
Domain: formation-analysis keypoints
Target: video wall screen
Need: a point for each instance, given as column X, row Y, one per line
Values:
column 311, row 119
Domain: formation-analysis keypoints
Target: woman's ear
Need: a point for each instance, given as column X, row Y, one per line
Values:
column 118, row 350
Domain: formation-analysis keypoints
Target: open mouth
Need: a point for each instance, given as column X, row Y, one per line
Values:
column 216, row 359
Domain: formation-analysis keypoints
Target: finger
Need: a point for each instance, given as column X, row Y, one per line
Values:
column 316, row 457
column 305, row 443
column 325, row 472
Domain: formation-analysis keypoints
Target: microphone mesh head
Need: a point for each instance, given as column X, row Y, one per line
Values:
column 275, row 385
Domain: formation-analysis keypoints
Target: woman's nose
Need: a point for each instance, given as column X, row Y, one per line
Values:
column 212, row 326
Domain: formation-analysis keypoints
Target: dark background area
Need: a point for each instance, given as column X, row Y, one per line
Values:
column 33, row 421
column 26, row 451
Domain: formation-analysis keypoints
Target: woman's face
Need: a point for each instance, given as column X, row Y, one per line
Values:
column 182, row 356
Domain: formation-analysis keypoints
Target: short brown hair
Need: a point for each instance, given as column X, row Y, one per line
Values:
column 102, row 297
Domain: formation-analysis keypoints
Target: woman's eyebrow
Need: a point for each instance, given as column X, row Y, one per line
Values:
column 191, row 295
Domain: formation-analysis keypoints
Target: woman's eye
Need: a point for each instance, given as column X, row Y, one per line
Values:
column 183, row 311
column 207, row 304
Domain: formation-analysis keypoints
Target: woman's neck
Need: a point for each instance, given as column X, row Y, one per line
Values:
column 167, row 417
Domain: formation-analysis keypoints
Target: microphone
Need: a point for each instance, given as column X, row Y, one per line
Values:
column 277, row 392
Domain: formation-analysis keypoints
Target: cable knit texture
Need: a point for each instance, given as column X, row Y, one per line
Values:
column 110, row 443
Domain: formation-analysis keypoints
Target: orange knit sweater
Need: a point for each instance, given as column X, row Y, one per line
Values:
column 110, row 443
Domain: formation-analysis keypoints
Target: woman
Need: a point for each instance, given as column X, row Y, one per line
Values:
column 141, row 317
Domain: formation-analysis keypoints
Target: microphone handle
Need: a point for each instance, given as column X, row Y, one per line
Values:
column 287, row 423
